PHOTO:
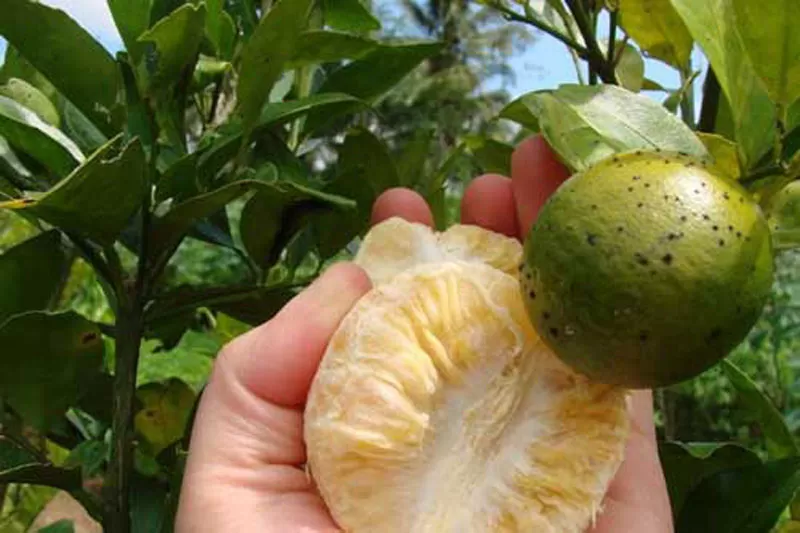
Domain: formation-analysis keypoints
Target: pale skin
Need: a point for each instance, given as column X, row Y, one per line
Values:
column 244, row 467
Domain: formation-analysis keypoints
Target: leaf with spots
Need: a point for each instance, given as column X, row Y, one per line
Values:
column 166, row 408
column 46, row 363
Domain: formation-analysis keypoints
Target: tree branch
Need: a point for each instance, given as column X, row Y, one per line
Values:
column 710, row 106
column 597, row 62
column 512, row 15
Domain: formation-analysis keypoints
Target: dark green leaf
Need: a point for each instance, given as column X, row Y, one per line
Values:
column 99, row 197
column 370, row 77
column 657, row 29
column 491, row 156
column 29, row 96
column 349, row 15
column 258, row 307
column 131, row 19
column 748, row 499
column 28, row 133
column 220, row 28
column 772, row 44
column 148, row 505
column 169, row 48
column 46, row 363
column 90, row 456
column 12, row 455
column 712, row 25
column 13, row 168
column 520, row 112
column 60, row 526
column 585, row 124
column 79, row 128
column 265, row 55
column 259, row 226
column 31, row 274
column 411, row 161
column 77, row 65
column 686, row 465
column 224, row 149
column 780, row 441
column 243, row 14
column 318, row 46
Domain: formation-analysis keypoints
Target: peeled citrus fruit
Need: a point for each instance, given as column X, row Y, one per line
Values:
column 647, row 269
column 437, row 408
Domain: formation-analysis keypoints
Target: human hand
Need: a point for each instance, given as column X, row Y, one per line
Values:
column 244, row 467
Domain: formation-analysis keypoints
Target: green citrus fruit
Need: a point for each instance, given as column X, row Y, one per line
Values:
column 646, row 269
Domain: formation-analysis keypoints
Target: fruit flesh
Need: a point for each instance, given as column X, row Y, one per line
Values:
column 647, row 269
column 437, row 408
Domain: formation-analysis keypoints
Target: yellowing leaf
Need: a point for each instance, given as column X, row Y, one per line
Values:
column 166, row 408
column 724, row 153
column 658, row 30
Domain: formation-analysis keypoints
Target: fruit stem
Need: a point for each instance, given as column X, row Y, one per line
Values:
column 516, row 17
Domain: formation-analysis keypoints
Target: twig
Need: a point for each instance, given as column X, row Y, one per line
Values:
column 512, row 15
column 612, row 37
column 710, row 106
column 594, row 55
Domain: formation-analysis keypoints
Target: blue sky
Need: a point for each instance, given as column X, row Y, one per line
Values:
column 544, row 65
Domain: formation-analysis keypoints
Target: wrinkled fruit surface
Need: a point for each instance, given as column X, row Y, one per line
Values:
column 437, row 408
column 646, row 269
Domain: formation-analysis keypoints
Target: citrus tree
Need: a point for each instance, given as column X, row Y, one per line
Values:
column 208, row 139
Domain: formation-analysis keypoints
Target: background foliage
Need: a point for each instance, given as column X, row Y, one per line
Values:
column 184, row 190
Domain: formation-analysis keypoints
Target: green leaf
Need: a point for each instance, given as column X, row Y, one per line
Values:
column 520, row 112
column 165, row 411
column 220, row 28
column 585, row 124
column 772, row 44
column 724, row 154
column 259, row 226
column 90, row 456
column 149, row 500
column 370, row 77
column 13, row 455
column 686, row 465
column 76, row 64
column 220, row 153
column 320, row 46
column 411, row 161
column 712, row 25
column 650, row 85
column 243, row 14
column 12, row 167
column 28, row 133
column 31, row 274
column 169, row 229
column 209, row 70
column 99, row 198
column 492, row 156
column 60, row 526
column 779, row 439
column 657, row 29
column 748, row 499
column 783, row 216
column 131, row 19
column 265, row 55
column 170, row 48
column 29, row 96
column 46, row 363
column 349, row 15
column 630, row 67
column 259, row 305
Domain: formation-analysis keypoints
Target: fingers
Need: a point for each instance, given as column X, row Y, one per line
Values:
column 489, row 202
column 404, row 203
column 536, row 173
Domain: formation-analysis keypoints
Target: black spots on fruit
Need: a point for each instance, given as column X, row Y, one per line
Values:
column 721, row 242
column 672, row 236
column 706, row 217
column 730, row 228
column 637, row 178
column 697, row 191
column 638, row 152
column 630, row 189
column 738, row 234
column 684, row 154
column 554, row 332
column 690, row 164
column 683, row 218
column 741, row 199
column 667, row 259
column 546, row 315
column 594, row 207
column 715, row 227
column 641, row 259
column 620, row 229
column 715, row 334
column 703, row 184
column 646, row 185
column 640, row 205
column 89, row 337
column 615, row 159
column 591, row 239
column 532, row 294
column 726, row 196
column 666, row 197
column 643, row 336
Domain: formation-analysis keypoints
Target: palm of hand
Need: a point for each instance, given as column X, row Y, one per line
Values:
column 243, row 471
